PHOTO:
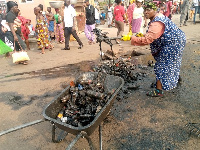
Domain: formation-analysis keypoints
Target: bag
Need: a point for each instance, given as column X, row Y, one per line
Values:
column 59, row 19
column 4, row 48
column 20, row 55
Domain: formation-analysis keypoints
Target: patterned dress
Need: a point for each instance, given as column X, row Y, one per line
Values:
column 42, row 37
column 24, row 27
column 167, row 51
column 59, row 29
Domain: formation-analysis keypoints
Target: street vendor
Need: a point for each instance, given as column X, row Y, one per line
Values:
column 167, row 43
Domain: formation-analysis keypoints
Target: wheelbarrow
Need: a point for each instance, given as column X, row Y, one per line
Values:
column 52, row 109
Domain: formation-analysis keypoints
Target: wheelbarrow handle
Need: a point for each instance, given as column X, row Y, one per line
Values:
column 21, row 126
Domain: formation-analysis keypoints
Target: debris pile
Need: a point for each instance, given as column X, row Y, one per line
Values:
column 85, row 99
column 126, row 68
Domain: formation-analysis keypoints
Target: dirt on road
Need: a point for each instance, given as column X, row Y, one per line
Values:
column 136, row 122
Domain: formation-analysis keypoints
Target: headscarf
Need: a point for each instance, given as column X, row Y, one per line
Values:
column 132, row 1
column 11, row 4
column 150, row 5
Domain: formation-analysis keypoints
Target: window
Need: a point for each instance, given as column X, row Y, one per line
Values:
column 26, row 1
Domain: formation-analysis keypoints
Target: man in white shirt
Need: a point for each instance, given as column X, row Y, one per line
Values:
column 69, row 25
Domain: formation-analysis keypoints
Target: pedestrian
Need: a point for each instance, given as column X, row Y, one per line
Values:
column 97, row 15
column 50, row 18
column 167, row 43
column 110, row 15
column 196, row 9
column 119, row 17
column 31, row 29
column 138, row 18
column 13, row 34
column 168, row 11
column 59, row 27
column 24, row 29
column 162, row 8
column 47, row 24
column 192, row 9
column 2, row 33
column 42, row 31
column 130, row 13
column 103, row 15
column 69, row 25
column 1, row 15
column 185, row 12
column 90, row 22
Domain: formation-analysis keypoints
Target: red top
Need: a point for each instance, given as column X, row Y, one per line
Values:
column 119, row 12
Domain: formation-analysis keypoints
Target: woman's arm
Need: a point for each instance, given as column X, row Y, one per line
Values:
column 156, row 29
column 124, row 17
column 13, row 31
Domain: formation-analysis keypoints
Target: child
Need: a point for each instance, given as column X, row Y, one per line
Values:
column 31, row 28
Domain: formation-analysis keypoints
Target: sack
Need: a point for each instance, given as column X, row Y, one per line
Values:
column 4, row 48
column 19, row 56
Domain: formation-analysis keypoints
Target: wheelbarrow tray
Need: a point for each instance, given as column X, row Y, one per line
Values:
column 52, row 109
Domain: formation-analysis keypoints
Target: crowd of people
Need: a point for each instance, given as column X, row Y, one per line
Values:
column 167, row 40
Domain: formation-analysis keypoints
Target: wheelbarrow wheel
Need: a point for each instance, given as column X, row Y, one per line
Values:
column 61, row 136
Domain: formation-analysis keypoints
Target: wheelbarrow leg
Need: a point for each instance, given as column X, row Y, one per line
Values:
column 61, row 136
column 83, row 135
column 74, row 141
column 100, row 136
column 89, row 140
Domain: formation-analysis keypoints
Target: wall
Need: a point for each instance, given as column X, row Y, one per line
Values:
column 27, row 9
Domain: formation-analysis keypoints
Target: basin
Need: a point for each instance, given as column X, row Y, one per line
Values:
column 56, row 4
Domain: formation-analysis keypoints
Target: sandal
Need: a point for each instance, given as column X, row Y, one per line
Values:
column 42, row 52
column 155, row 93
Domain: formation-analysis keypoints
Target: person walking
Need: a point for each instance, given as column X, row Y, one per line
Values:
column 24, row 28
column 90, row 22
column 167, row 43
column 50, row 18
column 185, row 12
column 192, row 9
column 59, row 27
column 168, row 11
column 130, row 13
column 42, row 31
column 196, row 9
column 69, row 25
column 13, row 34
column 97, row 16
column 110, row 15
column 119, row 17
column 138, row 18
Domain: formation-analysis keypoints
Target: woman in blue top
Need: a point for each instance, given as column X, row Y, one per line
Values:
column 167, row 43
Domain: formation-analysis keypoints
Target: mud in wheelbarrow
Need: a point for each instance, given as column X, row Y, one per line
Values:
column 51, row 110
